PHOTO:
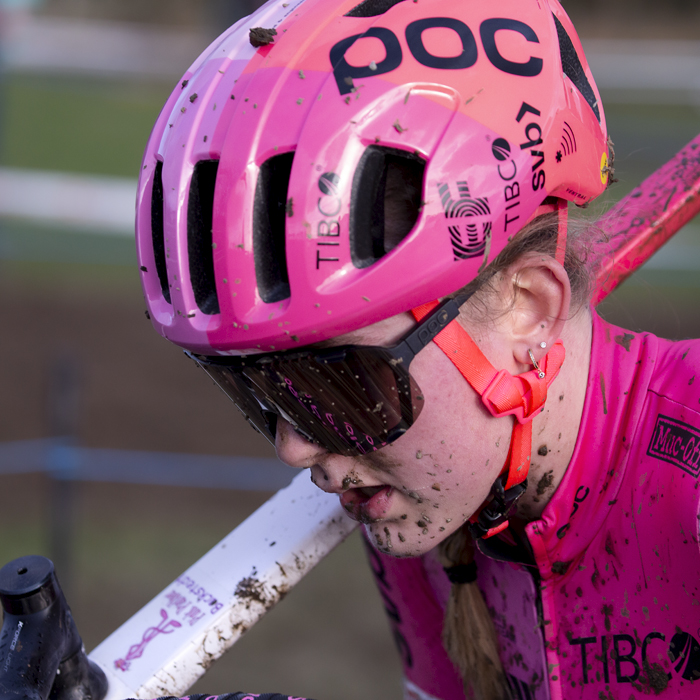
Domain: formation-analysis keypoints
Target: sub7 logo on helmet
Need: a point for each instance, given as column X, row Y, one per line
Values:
column 345, row 73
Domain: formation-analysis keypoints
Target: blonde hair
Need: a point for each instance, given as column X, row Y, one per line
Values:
column 468, row 635
column 540, row 236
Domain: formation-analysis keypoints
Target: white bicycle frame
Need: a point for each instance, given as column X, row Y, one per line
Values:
column 166, row 646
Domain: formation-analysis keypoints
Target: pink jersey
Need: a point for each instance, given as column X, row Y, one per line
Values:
column 613, row 608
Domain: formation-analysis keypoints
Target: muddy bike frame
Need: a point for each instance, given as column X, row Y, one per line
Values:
column 165, row 647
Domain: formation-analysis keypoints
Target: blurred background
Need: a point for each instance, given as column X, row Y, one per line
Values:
column 81, row 83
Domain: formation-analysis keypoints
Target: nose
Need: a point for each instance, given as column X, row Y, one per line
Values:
column 327, row 471
column 295, row 450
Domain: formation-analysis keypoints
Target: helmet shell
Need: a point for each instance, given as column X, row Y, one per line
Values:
column 496, row 98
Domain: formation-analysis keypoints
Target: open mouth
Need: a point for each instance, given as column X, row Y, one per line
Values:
column 367, row 504
column 369, row 491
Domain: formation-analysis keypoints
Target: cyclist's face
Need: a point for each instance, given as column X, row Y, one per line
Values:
column 415, row 492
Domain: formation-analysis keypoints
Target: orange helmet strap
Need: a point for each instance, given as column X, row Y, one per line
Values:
column 522, row 396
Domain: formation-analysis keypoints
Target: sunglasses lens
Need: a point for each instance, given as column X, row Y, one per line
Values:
column 262, row 418
column 351, row 402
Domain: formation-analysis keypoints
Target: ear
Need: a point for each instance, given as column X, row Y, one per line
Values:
column 540, row 295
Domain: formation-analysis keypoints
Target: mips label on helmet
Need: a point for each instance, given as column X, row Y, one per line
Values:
column 345, row 73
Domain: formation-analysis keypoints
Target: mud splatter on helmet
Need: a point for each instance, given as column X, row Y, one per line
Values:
column 261, row 222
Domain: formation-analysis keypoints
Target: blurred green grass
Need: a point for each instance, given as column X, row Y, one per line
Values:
column 78, row 124
column 75, row 125
column 34, row 243
column 645, row 137
column 101, row 126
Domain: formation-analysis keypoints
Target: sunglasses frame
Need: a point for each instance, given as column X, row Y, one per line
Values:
column 400, row 357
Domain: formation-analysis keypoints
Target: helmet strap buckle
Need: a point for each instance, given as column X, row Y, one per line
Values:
column 493, row 517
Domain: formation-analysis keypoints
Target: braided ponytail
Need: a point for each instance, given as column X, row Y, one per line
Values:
column 468, row 635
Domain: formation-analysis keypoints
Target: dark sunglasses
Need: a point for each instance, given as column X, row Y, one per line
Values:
column 351, row 399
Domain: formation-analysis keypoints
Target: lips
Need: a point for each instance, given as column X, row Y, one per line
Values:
column 367, row 504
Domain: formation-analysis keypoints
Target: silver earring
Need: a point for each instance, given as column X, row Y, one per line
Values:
column 543, row 345
column 540, row 373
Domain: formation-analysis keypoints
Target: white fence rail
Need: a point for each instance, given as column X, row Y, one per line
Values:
column 69, row 461
column 627, row 70
column 91, row 202
column 102, row 49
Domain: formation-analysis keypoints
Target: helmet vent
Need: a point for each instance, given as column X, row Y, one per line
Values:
column 386, row 200
column 157, row 230
column 270, row 210
column 372, row 8
column 200, row 251
column 573, row 69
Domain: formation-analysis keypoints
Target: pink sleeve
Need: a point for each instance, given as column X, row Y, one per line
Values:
column 416, row 619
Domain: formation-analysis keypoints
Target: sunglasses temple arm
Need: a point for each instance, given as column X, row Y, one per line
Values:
column 423, row 333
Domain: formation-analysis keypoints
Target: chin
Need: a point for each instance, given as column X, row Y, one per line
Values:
column 397, row 540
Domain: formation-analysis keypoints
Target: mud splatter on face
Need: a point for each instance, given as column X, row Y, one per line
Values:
column 351, row 478
column 545, row 482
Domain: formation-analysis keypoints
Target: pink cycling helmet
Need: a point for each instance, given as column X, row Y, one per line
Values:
column 260, row 216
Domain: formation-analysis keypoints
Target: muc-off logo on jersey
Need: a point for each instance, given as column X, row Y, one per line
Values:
column 471, row 236
column 677, row 443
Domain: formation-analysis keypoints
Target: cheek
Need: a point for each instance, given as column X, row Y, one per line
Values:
column 454, row 420
column 445, row 390
column 456, row 449
column 444, row 465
